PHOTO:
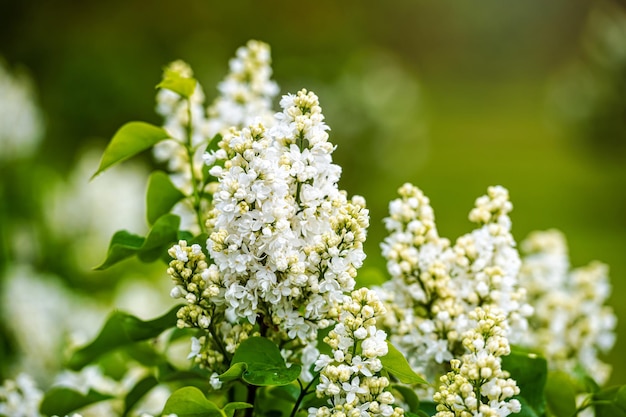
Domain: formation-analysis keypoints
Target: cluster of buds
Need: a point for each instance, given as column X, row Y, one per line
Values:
column 477, row 385
column 351, row 377
column 435, row 286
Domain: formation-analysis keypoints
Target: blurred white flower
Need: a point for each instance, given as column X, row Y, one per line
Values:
column 571, row 326
column 87, row 213
column 33, row 304
column 21, row 124
column 20, row 397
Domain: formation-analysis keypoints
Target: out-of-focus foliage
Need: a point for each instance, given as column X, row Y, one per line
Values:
column 447, row 95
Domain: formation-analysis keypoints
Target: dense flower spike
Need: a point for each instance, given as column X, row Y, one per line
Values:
column 246, row 96
column 486, row 263
column 286, row 241
column 477, row 385
column 199, row 284
column 571, row 324
column 351, row 378
column 247, row 92
column 435, row 286
column 419, row 295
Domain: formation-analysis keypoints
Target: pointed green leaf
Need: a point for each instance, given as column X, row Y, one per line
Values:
column 560, row 394
column 163, row 234
column 173, row 81
column 121, row 329
column 214, row 143
column 230, row 408
column 396, row 364
column 235, row 372
column 140, row 389
column 530, row 371
column 265, row 365
column 62, row 400
column 191, row 402
column 124, row 244
column 161, row 196
column 128, row 141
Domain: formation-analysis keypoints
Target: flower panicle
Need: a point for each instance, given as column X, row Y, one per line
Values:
column 477, row 384
column 351, row 377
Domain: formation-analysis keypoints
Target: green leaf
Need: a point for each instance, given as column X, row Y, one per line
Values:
column 124, row 244
column 128, row 141
column 191, row 402
column 610, row 402
column 289, row 392
column 161, row 196
column 560, row 394
column 230, row 408
column 214, row 143
column 527, row 409
column 173, row 81
column 121, row 329
column 409, row 396
column 428, row 407
column 265, row 365
column 137, row 392
column 195, row 376
column 62, row 400
column 396, row 364
column 235, row 372
column 530, row 371
column 145, row 354
column 162, row 235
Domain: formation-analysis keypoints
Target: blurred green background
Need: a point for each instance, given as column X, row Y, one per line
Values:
column 452, row 96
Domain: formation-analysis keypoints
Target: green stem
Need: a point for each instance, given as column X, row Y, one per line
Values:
column 195, row 182
column 219, row 343
column 588, row 403
column 250, row 400
column 303, row 393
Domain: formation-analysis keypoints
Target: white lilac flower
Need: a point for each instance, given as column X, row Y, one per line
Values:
column 287, row 242
column 20, row 397
column 350, row 378
column 486, row 263
column 245, row 96
column 21, row 125
column 246, row 93
column 477, row 385
column 571, row 325
column 435, row 286
column 88, row 378
column 32, row 302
